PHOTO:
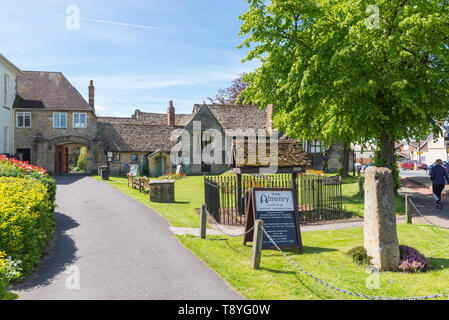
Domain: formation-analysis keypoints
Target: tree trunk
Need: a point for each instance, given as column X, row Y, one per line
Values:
column 387, row 151
column 345, row 160
column 387, row 157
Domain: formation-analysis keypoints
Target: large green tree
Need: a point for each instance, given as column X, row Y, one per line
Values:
column 350, row 70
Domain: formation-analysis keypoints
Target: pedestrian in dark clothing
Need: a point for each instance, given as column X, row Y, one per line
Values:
column 439, row 176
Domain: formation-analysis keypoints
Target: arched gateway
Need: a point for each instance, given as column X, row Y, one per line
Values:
column 53, row 154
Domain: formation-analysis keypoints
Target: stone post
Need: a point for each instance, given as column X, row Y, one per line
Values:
column 203, row 222
column 257, row 244
column 381, row 241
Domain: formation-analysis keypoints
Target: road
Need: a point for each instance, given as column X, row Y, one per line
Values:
column 109, row 246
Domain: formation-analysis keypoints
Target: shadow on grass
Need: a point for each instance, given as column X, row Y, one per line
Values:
column 439, row 263
column 295, row 252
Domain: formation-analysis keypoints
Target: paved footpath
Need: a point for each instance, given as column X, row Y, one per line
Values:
column 122, row 249
column 423, row 200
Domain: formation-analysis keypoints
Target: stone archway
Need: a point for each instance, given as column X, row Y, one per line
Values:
column 64, row 140
column 62, row 145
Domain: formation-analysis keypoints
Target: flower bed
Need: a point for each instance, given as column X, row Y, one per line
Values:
column 22, row 169
column 173, row 176
column 413, row 261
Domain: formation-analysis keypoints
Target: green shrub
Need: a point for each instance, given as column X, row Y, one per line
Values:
column 26, row 220
column 9, row 270
column 359, row 255
column 81, row 164
column 22, row 169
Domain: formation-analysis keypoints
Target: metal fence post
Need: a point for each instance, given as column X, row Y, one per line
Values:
column 257, row 244
column 203, row 222
column 408, row 212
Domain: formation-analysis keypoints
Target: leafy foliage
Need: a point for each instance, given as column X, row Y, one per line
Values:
column 359, row 255
column 231, row 94
column 9, row 270
column 334, row 75
column 22, row 169
column 82, row 164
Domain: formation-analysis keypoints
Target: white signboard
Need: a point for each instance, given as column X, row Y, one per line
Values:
column 133, row 170
column 274, row 201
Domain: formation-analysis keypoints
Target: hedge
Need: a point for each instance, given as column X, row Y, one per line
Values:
column 26, row 220
column 8, row 271
column 22, row 169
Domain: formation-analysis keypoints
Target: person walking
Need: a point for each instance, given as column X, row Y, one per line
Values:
column 438, row 175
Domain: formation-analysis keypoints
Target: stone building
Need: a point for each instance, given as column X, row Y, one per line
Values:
column 51, row 116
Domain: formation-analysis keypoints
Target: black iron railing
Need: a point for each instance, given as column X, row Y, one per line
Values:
column 319, row 198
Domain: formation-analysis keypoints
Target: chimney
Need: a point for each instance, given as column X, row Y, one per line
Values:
column 269, row 124
column 171, row 114
column 92, row 94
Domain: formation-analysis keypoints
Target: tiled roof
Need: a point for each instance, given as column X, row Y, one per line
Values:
column 237, row 116
column 48, row 90
column 162, row 118
column 135, row 137
column 290, row 154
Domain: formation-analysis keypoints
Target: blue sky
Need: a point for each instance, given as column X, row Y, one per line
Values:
column 181, row 50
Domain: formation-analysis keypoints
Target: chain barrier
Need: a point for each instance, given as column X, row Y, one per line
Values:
column 430, row 222
column 343, row 290
column 233, row 235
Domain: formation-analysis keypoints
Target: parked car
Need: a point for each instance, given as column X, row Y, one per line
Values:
column 422, row 166
column 408, row 165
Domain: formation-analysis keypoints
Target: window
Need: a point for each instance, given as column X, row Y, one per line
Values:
column 59, row 120
column 134, row 158
column 80, row 120
column 316, row 147
column 6, row 140
column 24, row 154
column 23, row 119
column 5, row 89
column 116, row 157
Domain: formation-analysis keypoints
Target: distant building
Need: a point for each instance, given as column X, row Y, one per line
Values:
column 50, row 117
column 8, row 74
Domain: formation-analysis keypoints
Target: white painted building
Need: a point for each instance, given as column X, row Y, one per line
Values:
column 434, row 149
column 8, row 73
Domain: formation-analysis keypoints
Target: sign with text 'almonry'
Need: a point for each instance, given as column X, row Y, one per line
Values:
column 277, row 209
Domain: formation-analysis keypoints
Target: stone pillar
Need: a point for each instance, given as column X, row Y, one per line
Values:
column 162, row 191
column 381, row 241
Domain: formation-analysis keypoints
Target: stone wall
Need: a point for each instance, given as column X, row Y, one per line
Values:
column 121, row 167
column 42, row 138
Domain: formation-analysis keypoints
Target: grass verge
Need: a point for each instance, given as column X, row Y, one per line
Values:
column 189, row 195
column 325, row 257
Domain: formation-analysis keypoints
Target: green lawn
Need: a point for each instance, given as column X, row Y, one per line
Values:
column 189, row 195
column 354, row 204
column 325, row 257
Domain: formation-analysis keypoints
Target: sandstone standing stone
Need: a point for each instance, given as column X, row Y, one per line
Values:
column 381, row 241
